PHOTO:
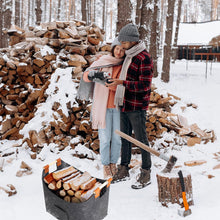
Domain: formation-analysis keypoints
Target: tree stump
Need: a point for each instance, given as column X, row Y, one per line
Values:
column 169, row 188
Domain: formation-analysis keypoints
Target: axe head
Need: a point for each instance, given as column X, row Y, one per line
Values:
column 170, row 164
column 184, row 212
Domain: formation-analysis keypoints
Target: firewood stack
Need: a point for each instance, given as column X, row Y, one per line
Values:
column 26, row 67
column 162, row 121
column 72, row 185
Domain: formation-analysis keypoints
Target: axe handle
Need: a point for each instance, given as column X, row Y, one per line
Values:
column 141, row 145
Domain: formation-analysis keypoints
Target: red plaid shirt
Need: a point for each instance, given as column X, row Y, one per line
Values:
column 138, row 83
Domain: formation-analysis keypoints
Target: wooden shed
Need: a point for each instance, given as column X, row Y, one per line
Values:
column 199, row 41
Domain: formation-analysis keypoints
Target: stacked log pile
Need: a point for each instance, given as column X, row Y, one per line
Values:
column 72, row 185
column 25, row 70
column 161, row 121
column 26, row 67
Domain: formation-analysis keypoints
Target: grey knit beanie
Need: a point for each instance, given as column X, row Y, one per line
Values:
column 115, row 42
column 129, row 33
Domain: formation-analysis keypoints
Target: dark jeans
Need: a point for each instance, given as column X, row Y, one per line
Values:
column 134, row 121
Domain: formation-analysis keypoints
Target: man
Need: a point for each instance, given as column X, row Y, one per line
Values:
column 132, row 97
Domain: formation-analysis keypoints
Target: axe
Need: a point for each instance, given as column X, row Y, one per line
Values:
column 170, row 160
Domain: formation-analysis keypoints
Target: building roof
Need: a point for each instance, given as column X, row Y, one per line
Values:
column 198, row 33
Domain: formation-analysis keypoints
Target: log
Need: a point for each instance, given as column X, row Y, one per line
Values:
column 67, row 184
column 89, row 184
column 75, row 184
column 57, row 175
column 169, row 188
column 194, row 162
column 2, row 160
column 87, row 194
column 48, row 178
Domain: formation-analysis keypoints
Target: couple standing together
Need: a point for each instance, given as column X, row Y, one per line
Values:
column 122, row 104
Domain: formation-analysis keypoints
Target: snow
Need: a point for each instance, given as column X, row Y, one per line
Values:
column 189, row 82
column 200, row 33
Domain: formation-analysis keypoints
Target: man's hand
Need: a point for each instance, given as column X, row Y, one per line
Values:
column 114, row 82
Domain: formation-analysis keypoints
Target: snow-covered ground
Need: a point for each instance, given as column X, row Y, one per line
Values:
column 188, row 82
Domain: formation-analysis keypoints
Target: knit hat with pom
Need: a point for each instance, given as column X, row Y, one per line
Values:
column 129, row 33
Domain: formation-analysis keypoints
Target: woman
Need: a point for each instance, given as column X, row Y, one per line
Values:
column 105, row 117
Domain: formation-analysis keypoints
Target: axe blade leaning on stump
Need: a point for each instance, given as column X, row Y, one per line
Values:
column 171, row 161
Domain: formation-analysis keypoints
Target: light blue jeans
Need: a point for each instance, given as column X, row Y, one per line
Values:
column 110, row 143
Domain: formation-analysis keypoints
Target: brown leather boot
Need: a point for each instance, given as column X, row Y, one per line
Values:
column 143, row 179
column 113, row 168
column 121, row 175
column 107, row 171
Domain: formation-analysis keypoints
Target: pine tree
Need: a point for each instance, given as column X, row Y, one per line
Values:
column 165, row 76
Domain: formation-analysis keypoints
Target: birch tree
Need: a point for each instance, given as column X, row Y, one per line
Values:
column 165, row 76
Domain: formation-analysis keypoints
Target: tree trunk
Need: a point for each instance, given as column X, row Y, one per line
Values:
column 88, row 2
column 162, row 20
column 38, row 12
column 124, row 14
column 146, row 20
column 59, row 10
column 214, row 10
column 169, row 189
column 92, row 18
column 7, row 16
column 165, row 76
column 103, row 15
column 175, row 49
column 138, row 13
column 28, row 13
column 50, row 12
column 84, row 10
column 17, row 13
column 154, row 37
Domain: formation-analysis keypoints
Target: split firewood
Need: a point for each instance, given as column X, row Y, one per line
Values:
column 52, row 185
column 194, row 162
column 59, row 184
column 79, row 193
column 75, row 184
column 2, row 160
column 11, row 191
column 70, row 192
column 57, row 175
column 87, row 194
column 193, row 140
column 48, row 178
column 67, row 198
column 62, row 192
column 25, row 166
column 75, row 200
column 21, row 173
column 67, row 184
column 216, row 167
column 89, row 184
